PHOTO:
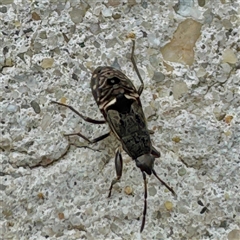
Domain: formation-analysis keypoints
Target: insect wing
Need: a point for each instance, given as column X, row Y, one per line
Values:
column 130, row 128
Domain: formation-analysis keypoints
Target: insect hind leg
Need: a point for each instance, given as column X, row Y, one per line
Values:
column 136, row 69
column 118, row 167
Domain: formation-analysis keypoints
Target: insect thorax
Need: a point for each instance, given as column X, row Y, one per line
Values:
column 107, row 83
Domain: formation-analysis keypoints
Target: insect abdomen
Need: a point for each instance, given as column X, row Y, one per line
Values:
column 137, row 144
column 130, row 127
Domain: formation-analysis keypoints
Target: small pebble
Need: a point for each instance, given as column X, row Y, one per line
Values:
column 46, row 121
column 144, row 4
column 12, row 108
column 107, row 12
column 152, row 191
column 40, row 195
column 234, row 234
column 78, row 13
column 35, row 106
column 158, row 76
column 47, row 63
column 95, row 28
column 182, row 171
column 179, row 89
column 176, row 139
column 228, row 119
column 61, row 216
column 168, row 205
column 199, row 186
column 201, row 3
column 128, row 190
column 3, row 9
column 229, row 56
column 116, row 16
column 63, row 100
column 35, row 16
column 5, row 2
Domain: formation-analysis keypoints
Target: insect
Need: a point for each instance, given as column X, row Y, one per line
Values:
column 119, row 102
column 205, row 207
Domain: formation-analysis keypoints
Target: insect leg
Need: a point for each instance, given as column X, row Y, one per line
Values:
column 136, row 69
column 118, row 167
column 169, row 188
column 145, row 201
column 87, row 119
column 85, row 138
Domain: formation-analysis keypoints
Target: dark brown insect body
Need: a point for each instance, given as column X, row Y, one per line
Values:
column 119, row 102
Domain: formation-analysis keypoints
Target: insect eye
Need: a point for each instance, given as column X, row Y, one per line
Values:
column 112, row 81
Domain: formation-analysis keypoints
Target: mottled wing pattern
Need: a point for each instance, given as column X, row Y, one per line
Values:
column 130, row 128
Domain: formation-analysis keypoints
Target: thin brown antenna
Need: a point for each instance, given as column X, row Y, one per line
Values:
column 169, row 188
column 145, row 202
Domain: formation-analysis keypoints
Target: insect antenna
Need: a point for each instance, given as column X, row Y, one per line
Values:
column 145, row 202
column 169, row 188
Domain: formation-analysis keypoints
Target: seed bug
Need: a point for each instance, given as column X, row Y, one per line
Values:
column 119, row 102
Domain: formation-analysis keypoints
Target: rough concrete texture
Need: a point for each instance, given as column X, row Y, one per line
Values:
column 191, row 100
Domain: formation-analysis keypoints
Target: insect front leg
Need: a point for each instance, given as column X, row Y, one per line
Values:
column 87, row 119
column 136, row 69
column 118, row 167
